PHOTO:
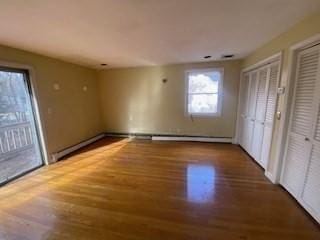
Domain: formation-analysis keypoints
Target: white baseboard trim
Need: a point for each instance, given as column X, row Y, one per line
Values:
column 192, row 139
column 58, row 155
column 235, row 141
column 271, row 177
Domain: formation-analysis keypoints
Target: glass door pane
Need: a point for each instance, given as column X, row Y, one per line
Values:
column 19, row 143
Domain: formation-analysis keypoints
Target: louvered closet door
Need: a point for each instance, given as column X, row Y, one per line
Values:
column 261, row 102
column 311, row 189
column 302, row 144
column 274, row 73
column 249, row 123
column 243, row 107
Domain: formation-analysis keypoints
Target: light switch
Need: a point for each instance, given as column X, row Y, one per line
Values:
column 278, row 115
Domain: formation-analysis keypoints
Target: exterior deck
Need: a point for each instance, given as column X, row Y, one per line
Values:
column 18, row 152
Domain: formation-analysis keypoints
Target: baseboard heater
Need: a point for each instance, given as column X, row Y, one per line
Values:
column 130, row 135
column 58, row 155
column 192, row 139
column 163, row 137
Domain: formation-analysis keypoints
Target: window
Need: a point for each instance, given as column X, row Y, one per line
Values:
column 204, row 92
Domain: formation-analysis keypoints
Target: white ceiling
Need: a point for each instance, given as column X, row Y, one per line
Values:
column 127, row 33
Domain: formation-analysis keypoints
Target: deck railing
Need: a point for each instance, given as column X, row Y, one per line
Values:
column 15, row 138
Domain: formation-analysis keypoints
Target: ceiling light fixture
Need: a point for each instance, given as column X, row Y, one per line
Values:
column 103, row 64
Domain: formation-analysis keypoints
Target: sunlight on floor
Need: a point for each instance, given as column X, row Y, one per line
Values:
column 69, row 175
column 200, row 183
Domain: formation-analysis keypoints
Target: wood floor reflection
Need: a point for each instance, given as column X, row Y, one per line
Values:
column 140, row 189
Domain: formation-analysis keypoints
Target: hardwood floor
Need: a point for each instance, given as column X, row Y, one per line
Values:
column 139, row 189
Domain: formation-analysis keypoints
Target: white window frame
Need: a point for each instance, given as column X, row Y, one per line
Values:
column 220, row 92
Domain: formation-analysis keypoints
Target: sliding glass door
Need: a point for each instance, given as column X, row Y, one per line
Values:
column 20, row 151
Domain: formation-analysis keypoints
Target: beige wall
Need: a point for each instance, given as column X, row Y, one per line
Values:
column 305, row 29
column 75, row 114
column 134, row 100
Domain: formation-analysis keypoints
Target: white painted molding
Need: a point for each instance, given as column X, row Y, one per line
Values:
column 235, row 141
column 270, row 176
column 56, row 156
column 192, row 139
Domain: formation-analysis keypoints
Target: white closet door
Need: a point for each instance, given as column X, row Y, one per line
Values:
column 243, row 107
column 261, row 104
column 252, row 95
column 299, row 147
column 311, row 189
column 274, row 73
column 244, row 94
column 249, row 125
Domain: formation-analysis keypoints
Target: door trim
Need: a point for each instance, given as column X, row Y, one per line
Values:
column 32, row 84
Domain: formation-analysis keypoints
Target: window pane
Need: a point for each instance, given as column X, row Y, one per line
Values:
column 204, row 82
column 19, row 145
column 203, row 103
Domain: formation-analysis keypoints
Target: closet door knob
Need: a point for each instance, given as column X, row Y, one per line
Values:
column 307, row 139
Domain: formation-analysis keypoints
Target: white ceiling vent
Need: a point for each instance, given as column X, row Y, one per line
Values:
column 227, row 56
